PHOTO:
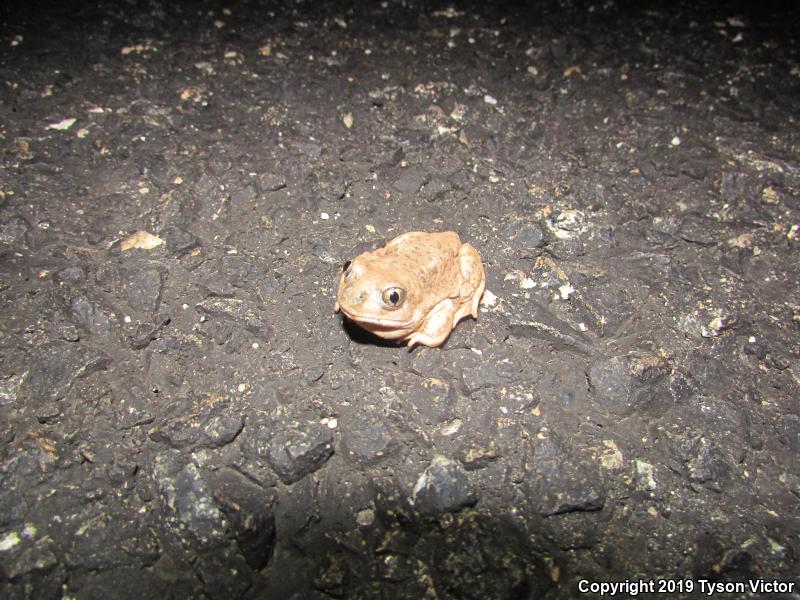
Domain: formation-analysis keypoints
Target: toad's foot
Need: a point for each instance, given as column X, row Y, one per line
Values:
column 436, row 326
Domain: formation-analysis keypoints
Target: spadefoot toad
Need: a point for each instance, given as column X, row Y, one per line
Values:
column 414, row 289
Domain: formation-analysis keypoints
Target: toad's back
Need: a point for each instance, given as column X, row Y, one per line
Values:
column 431, row 257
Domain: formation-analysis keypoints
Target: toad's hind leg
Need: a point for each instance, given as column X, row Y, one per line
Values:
column 473, row 282
column 436, row 326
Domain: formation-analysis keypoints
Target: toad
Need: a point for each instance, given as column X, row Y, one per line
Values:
column 414, row 289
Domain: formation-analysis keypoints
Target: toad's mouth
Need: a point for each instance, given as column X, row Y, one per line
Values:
column 377, row 323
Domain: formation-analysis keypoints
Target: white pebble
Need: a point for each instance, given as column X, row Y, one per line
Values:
column 8, row 541
column 62, row 125
column 566, row 291
column 488, row 299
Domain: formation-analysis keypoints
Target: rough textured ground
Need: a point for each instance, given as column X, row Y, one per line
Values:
column 193, row 420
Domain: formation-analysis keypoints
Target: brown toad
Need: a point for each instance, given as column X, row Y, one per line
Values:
column 414, row 289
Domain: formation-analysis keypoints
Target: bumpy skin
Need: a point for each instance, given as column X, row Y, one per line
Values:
column 439, row 279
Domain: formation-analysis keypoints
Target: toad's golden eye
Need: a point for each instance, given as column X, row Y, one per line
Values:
column 393, row 297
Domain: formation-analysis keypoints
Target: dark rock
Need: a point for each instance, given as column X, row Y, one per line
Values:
column 241, row 311
column 122, row 472
column 546, row 327
column 220, row 332
column 756, row 349
column 13, row 231
column 26, row 552
column 297, row 510
column 626, row 384
column 694, row 170
column 560, row 483
column 178, row 240
column 243, row 195
column 708, row 465
column 36, row 584
column 58, row 366
column 523, row 237
column 478, row 558
column 249, row 510
column 73, row 274
column 332, row 576
column 30, row 463
column 792, row 482
column 478, row 454
column 133, row 416
column 778, row 361
column 9, row 389
column 312, row 374
column 144, row 333
column 48, row 411
column 224, row 574
column 436, row 189
column 207, row 426
column 738, row 188
column 219, row 165
column 395, row 568
column 698, row 229
column 143, row 289
column 443, row 487
column 426, row 362
column 484, row 375
column 89, row 315
column 573, row 530
column 68, row 332
column 225, row 276
column 187, row 503
column 790, row 432
column 294, row 450
column 476, row 371
column 410, row 180
column 125, row 582
column 7, row 435
column 330, row 185
column 431, row 399
column 270, row 182
column 221, row 430
column 368, row 441
column 108, row 540
column 309, row 150
column 154, row 166
column 132, row 404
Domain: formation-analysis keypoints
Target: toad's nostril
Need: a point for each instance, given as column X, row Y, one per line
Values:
column 356, row 297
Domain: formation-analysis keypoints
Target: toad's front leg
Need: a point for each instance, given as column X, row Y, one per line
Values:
column 436, row 326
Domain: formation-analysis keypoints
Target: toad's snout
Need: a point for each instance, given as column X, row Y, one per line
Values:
column 358, row 297
column 354, row 297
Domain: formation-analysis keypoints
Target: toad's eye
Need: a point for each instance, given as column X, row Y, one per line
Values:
column 346, row 265
column 393, row 297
